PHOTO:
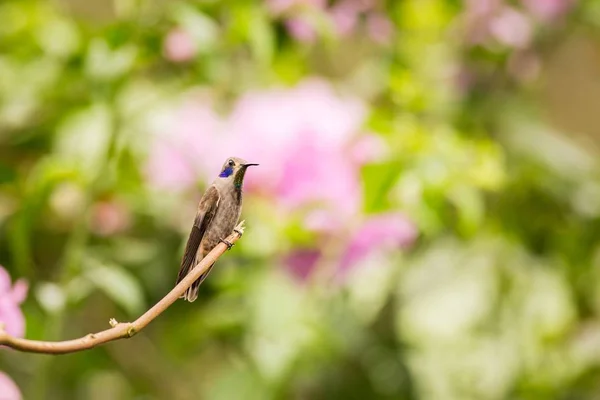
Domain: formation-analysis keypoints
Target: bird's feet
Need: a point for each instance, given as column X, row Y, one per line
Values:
column 239, row 229
column 228, row 243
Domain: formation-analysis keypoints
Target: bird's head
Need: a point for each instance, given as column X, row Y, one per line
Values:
column 235, row 169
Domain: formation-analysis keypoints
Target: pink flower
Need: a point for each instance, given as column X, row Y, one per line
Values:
column 512, row 28
column 482, row 7
column 383, row 232
column 167, row 168
column 301, row 29
column 179, row 46
column 301, row 263
column 110, row 217
column 282, row 6
column 547, row 10
column 301, row 138
column 319, row 176
column 491, row 19
column 345, row 15
column 10, row 298
column 8, row 389
column 192, row 150
column 201, row 137
column 367, row 149
column 297, row 14
column 322, row 220
column 380, row 28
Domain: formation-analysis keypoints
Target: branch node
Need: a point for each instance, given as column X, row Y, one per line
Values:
column 113, row 322
column 131, row 331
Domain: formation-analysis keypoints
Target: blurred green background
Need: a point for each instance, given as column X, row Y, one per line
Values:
column 424, row 224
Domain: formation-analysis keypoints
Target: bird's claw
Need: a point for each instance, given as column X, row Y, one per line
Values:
column 240, row 232
column 227, row 243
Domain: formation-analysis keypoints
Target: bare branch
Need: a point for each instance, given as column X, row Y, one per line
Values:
column 122, row 330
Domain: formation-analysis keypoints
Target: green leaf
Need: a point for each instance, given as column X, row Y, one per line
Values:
column 261, row 37
column 117, row 283
column 106, row 64
column 84, row 138
column 378, row 180
column 200, row 26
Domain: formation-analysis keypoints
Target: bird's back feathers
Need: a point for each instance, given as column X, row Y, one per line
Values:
column 207, row 209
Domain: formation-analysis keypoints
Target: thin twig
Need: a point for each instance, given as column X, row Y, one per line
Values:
column 121, row 330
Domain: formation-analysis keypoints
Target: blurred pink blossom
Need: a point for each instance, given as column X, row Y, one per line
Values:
column 167, row 168
column 8, row 389
column 179, row 46
column 367, row 149
column 379, row 28
column 301, row 138
column 482, row 7
column 321, row 176
column 381, row 232
column 511, row 28
column 547, row 10
column 191, row 151
column 281, row 6
column 492, row 19
column 322, row 220
column 302, row 262
column 199, row 135
column 347, row 14
column 110, row 217
column 297, row 13
column 10, row 299
column 344, row 16
column 301, row 29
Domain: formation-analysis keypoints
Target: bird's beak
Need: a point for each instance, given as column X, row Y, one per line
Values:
column 248, row 165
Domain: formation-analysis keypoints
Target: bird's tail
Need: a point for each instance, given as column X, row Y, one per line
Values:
column 192, row 293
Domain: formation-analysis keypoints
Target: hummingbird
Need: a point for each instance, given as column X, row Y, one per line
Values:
column 218, row 213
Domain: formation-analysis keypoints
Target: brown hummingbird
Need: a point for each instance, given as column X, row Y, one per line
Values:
column 218, row 213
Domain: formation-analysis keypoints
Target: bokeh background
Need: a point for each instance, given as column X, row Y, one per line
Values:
column 424, row 223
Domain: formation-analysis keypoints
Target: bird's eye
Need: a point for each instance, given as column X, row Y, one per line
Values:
column 231, row 163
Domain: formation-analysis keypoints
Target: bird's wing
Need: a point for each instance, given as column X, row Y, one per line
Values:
column 206, row 211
